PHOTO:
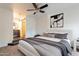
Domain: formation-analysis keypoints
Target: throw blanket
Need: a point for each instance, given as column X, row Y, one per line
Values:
column 62, row 45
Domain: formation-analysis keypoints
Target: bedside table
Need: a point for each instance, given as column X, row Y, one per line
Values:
column 76, row 45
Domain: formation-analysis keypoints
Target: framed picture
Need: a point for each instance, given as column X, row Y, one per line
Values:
column 57, row 21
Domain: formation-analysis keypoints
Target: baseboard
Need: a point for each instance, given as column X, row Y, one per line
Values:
column 4, row 45
column 4, row 42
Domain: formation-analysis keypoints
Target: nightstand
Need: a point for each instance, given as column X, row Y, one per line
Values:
column 76, row 45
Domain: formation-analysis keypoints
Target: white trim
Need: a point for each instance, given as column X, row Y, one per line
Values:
column 3, row 45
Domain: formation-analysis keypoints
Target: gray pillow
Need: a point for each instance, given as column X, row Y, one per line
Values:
column 61, row 36
column 52, row 35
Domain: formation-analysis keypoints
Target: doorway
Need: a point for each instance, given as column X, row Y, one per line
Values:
column 19, row 28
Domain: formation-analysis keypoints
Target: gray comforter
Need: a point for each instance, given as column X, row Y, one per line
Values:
column 62, row 45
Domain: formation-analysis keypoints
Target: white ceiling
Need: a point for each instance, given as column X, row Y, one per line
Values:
column 22, row 7
column 17, row 7
column 59, row 7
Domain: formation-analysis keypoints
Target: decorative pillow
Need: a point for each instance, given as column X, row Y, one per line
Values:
column 37, row 35
column 61, row 36
column 51, row 35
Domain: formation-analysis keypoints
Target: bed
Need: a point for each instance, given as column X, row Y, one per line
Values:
column 46, row 45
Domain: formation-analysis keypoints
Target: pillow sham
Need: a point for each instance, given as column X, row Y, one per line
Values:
column 51, row 35
column 56, row 35
column 61, row 36
column 37, row 35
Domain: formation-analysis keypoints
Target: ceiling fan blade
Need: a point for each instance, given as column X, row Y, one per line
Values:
column 35, row 6
column 46, row 5
column 30, row 9
column 42, row 11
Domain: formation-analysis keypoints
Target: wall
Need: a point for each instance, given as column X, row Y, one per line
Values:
column 41, row 23
column 71, row 20
column 30, row 26
column 6, row 26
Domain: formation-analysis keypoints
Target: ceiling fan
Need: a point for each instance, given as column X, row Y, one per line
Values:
column 38, row 8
